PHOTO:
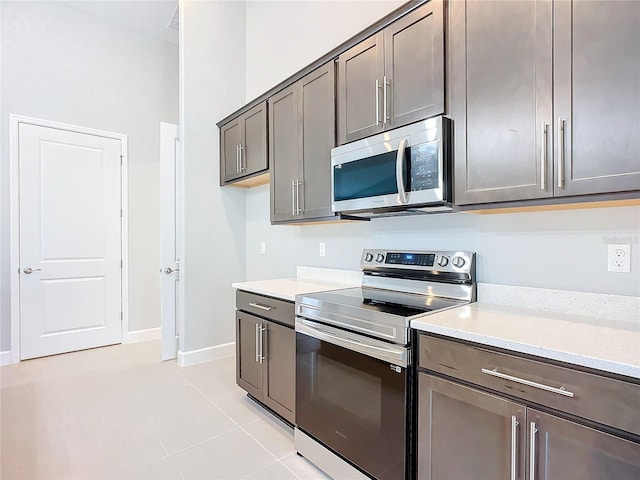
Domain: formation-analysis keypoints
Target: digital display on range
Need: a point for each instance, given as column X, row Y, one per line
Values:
column 421, row 259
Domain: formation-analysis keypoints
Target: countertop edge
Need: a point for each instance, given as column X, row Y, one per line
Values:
column 603, row 365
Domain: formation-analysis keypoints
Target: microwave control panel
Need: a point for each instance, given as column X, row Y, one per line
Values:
column 425, row 166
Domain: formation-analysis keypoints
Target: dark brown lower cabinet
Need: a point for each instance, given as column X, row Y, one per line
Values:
column 477, row 433
column 265, row 362
column 562, row 449
column 464, row 433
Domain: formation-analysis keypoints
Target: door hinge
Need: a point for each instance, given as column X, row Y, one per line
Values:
column 121, row 316
column 121, row 264
column 120, row 213
column 121, row 159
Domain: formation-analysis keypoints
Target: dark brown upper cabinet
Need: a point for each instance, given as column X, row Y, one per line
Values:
column 544, row 98
column 301, row 136
column 243, row 148
column 394, row 77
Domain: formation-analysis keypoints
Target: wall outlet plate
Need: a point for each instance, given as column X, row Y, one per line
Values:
column 322, row 249
column 263, row 248
column 619, row 258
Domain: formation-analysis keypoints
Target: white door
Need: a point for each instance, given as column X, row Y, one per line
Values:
column 169, row 228
column 70, row 240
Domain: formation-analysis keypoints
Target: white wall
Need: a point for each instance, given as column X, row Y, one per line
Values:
column 564, row 249
column 64, row 65
column 212, row 47
column 285, row 36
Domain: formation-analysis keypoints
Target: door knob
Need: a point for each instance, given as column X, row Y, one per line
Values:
column 169, row 270
column 30, row 270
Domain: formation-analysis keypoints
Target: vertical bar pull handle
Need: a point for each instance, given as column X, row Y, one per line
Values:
column 257, row 343
column 238, row 158
column 561, row 133
column 298, row 209
column 514, row 447
column 242, row 160
column 377, row 101
column 261, row 356
column 385, row 117
column 543, row 156
column 532, row 452
column 293, row 197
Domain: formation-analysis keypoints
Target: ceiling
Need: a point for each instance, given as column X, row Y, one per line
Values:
column 146, row 16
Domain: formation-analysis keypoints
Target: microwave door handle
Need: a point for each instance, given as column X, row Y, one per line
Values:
column 402, row 194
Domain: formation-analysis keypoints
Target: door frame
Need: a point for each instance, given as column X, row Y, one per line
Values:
column 14, row 223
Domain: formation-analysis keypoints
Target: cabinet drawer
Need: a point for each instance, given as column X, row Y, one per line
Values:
column 266, row 307
column 594, row 397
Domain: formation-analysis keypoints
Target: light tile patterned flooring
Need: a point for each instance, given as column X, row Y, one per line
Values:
column 118, row 412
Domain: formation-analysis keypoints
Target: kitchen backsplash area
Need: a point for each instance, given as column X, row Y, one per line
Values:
column 564, row 250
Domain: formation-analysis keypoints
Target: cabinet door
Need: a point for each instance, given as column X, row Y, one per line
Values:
column 253, row 152
column 248, row 366
column 465, row 433
column 501, row 99
column 317, row 134
column 279, row 369
column 230, row 139
column 360, row 72
column 414, row 66
column 283, row 151
column 597, row 96
column 562, row 449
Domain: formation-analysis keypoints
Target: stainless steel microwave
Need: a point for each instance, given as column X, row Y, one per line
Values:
column 401, row 171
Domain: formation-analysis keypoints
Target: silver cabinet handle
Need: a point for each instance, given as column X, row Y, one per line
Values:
column 242, row 158
column 257, row 343
column 532, row 451
column 261, row 356
column 377, row 101
column 543, row 156
column 293, row 197
column 30, row 270
column 169, row 270
column 400, row 171
column 261, row 307
column 298, row 209
column 559, row 391
column 561, row 133
column 514, row 446
column 237, row 158
column 385, row 118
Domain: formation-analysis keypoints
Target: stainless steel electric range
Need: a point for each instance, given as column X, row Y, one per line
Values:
column 354, row 369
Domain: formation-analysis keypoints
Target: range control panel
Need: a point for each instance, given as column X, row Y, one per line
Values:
column 444, row 261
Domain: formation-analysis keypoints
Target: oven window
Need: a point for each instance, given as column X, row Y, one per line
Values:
column 343, row 386
column 354, row 404
column 368, row 177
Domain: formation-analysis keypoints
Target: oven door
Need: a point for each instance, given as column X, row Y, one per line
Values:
column 352, row 396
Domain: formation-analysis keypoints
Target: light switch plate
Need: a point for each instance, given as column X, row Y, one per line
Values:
column 322, row 249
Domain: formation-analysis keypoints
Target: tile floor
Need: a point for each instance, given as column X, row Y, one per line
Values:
column 118, row 412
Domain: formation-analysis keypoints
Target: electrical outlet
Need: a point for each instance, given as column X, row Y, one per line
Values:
column 263, row 248
column 619, row 258
column 322, row 249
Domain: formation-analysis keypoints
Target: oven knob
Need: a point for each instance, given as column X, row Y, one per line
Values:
column 442, row 261
column 458, row 262
column 368, row 257
column 379, row 258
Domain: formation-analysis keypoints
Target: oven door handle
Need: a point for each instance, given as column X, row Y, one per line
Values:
column 396, row 355
column 402, row 194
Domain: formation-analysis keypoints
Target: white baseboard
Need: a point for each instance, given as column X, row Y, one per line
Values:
column 143, row 335
column 193, row 357
column 5, row 358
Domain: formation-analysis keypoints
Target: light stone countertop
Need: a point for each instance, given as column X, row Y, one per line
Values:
column 603, row 344
column 309, row 280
